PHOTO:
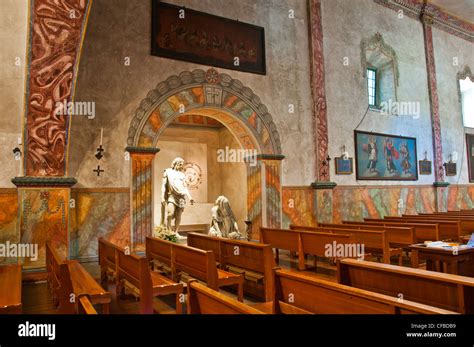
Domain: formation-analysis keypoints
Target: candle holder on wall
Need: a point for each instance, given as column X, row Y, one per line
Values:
column 99, row 154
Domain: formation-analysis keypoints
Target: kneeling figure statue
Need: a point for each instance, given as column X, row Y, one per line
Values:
column 223, row 222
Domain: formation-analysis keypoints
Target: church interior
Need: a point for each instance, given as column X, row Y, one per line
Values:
column 188, row 157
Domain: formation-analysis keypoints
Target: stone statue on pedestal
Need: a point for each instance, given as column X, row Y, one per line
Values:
column 223, row 222
column 173, row 195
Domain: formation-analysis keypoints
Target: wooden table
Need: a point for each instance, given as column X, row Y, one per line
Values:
column 10, row 289
column 444, row 260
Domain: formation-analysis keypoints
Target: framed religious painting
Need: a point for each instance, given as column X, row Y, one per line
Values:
column 450, row 168
column 343, row 166
column 189, row 35
column 425, row 167
column 470, row 155
column 385, row 157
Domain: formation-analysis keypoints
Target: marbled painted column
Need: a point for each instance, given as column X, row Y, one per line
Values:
column 318, row 90
column 43, row 205
column 141, row 198
column 264, row 192
column 439, row 184
column 254, row 196
column 56, row 35
column 272, row 190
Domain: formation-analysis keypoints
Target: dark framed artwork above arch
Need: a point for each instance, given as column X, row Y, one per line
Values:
column 385, row 157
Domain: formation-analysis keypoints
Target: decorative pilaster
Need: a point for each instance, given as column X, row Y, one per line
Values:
column 254, row 197
column 141, row 198
column 433, row 94
column 318, row 90
column 55, row 38
column 439, row 184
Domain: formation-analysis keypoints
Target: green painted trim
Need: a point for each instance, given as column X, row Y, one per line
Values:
column 323, row 185
column 270, row 156
column 440, row 184
column 28, row 181
column 148, row 150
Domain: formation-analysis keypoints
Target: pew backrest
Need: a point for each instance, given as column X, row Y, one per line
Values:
column 449, row 292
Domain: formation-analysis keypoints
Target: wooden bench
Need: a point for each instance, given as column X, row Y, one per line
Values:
column 303, row 242
column 10, row 289
column 375, row 241
column 398, row 237
column 85, row 306
column 466, row 221
column 449, row 292
column 133, row 272
column 197, row 263
column 423, row 231
column 68, row 277
column 204, row 300
column 299, row 293
column 254, row 260
column 107, row 261
column 448, row 229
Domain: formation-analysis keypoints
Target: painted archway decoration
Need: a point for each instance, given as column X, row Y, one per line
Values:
column 227, row 100
column 200, row 89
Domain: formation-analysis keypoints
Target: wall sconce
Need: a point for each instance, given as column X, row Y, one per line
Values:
column 17, row 152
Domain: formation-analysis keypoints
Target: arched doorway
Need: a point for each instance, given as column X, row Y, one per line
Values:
column 227, row 100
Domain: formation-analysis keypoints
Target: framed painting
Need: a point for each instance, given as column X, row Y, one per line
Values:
column 470, row 155
column 344, row 166
column 451, row 169
column 189, row 35
column 425, row 167
column 385, row 157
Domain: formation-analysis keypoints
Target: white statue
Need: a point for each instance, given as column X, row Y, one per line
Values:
column 173, row 195
column 223, row 222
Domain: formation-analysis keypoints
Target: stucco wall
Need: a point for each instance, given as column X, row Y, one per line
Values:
column 121, row 29
column 13, row 33
column 344, row 27
column 450, row 50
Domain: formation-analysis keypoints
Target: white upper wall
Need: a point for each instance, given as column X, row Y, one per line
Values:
column 451, row 55
column 13, row 37
column 344, row 27
column 119, row 29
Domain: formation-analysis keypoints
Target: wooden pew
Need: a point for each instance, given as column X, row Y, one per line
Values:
column 298, row 293
column 449, row 292
column 107, row 261
column 398, row 237
column 132, row 271
column 256, row 260
column 204, row 300
column 160, row 252
column 68, row 277
column 466, row 221
column 85, row 306
column 10, row 289
column 373, row 241
column 303, row 242
column 193, row 261
column 448, row 229
column 423, row 231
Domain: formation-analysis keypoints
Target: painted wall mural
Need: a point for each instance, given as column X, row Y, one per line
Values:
column 44, row 218
column 8, row 220
column 56, row 33
column 98, row 213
